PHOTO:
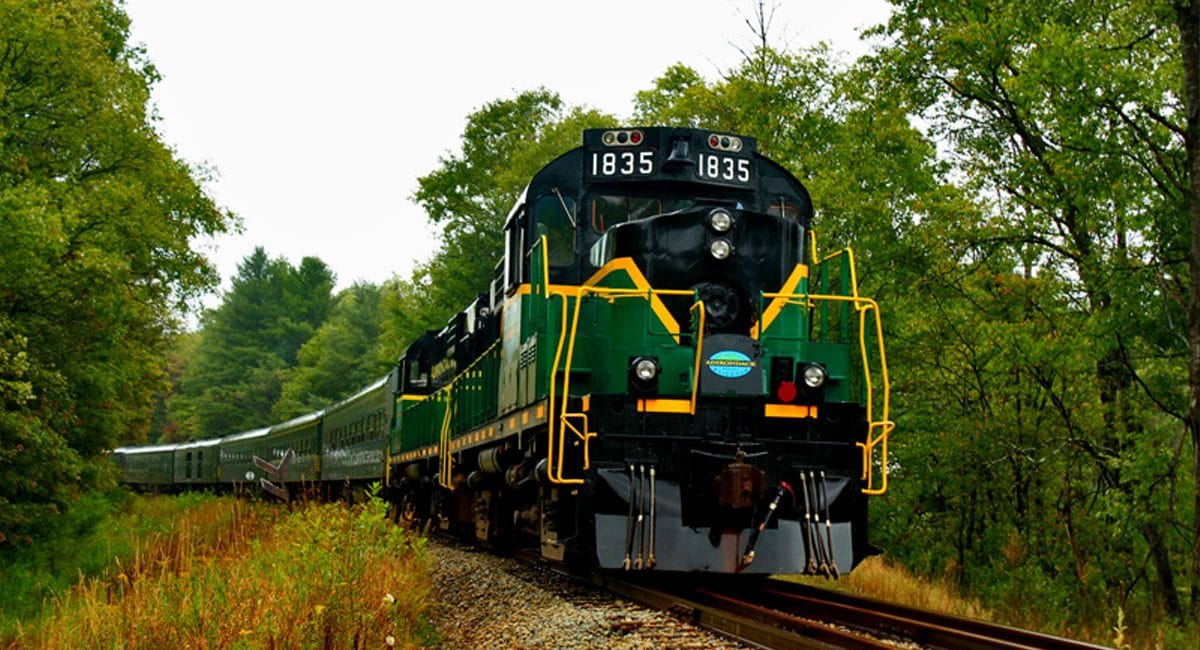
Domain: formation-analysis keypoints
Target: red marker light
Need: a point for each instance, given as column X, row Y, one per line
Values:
column 713, row 141
column 635, row 137
column 786, row 392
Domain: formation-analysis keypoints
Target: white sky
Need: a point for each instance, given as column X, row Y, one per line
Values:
column 320, row 116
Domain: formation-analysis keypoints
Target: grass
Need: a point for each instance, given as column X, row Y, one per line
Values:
column 226, row 573
column 877, row 577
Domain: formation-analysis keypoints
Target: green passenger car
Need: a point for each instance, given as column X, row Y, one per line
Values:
column 237, row 452
column 302, row 436
column 355, row 433
column 147, row 466
column 196, row 462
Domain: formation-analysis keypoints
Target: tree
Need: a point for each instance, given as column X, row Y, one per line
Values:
column 504, row 143
column 248, row 344
column 96, row 216
column 1069, row 119
column 342, row 355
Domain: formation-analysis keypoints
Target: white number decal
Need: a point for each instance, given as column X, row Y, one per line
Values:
column 723, row 168
column 624, row 163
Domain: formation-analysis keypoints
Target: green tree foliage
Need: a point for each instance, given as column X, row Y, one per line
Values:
column 342, row 355
column 872, row 175
column 96, row 215
column 1066, row 121
column 504, row 143
column 182, row 349
column 249, row 343
column 1033, row 274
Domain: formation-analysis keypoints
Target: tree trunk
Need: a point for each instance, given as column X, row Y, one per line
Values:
column 1188, row 16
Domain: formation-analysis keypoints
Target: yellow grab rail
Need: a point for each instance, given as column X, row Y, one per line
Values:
column 445, row 461
column 699, row 347
column 878, row 429
column 556, row 444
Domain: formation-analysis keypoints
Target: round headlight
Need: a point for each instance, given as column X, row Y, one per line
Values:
column 814, row 376
column 645, row 369
column 721, row 249
column 720, row 220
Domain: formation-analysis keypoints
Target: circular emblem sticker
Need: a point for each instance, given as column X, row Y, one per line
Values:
column 730, row 364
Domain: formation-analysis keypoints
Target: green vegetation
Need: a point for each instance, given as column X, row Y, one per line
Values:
column 96, row 220
column 504, row 143
column 248, row 345
column 344, row 354
column 1019, row 179
column 1031, row 246
column 188, row 570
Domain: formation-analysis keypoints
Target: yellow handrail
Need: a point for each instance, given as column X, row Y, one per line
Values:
column 848, row 252
column 446, row 461
column 699, row 347
column 561, row 423
column 878, row 429
column 445, row 394
column 553, row 467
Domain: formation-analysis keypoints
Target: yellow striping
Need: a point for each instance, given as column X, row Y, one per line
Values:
column 776, row 306
column 635, row 275
column 790, row 411
column 664, row 406
column 641, row 288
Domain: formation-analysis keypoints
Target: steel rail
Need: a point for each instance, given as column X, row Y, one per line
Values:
column 772, row 613
column 924, row 627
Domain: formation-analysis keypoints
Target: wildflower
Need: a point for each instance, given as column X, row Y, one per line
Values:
column 390, row 640
column 388, row 599
column 318, row 609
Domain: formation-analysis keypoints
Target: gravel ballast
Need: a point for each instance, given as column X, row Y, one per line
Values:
column 486, row 601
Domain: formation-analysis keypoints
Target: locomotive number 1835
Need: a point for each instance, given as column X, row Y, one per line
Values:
column 723, row 168
column 622, row 163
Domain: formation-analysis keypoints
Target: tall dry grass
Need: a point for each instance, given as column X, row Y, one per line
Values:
column 876, row 577
column 234, row 574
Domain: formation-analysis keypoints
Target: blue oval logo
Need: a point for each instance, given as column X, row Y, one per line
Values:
column 730, row 364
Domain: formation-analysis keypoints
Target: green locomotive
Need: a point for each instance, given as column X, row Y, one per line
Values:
column 663, row 375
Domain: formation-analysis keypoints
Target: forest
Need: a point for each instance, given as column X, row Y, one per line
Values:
column 1020, row 181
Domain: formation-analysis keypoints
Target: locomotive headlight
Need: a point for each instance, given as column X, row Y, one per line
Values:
column 645, row 369
column 815, row 375
column 720, row 220
column 720, row 249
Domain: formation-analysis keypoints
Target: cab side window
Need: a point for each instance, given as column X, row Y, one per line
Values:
column 555, row 218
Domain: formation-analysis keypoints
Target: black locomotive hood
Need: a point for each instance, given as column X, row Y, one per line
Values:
column 681, row 250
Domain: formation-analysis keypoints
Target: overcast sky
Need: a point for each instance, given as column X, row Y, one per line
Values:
column 318, row 117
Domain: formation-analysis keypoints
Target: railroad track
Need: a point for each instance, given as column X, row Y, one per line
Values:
column 779, row 614
column 773, row 613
